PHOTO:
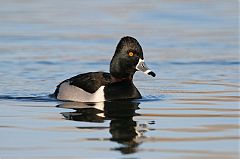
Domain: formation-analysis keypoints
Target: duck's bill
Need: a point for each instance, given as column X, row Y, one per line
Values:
column 141, row 66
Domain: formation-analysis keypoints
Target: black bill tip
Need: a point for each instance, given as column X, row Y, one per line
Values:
column 152, row 74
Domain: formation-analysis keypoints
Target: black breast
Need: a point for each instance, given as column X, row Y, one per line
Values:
column 121, row 90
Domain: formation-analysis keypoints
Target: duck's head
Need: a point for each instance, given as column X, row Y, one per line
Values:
column 128, row 59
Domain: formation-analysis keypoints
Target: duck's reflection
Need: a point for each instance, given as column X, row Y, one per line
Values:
column 123, row 128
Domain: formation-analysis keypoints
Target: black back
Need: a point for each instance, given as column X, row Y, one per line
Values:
column 91, row 81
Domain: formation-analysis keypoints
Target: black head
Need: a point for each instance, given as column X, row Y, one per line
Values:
column 128, row 59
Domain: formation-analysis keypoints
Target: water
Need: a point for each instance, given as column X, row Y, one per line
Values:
column 190, row 110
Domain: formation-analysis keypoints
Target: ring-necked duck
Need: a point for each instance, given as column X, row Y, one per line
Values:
column 102, row 86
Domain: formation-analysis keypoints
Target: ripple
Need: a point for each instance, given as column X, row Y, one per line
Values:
column 211, row 99
column 204, row 128
column 211, row 83
column 28, row 98
column 191, row 139
column 150, row 98
column 214, row 62
column 197, row 109
column 193, row 115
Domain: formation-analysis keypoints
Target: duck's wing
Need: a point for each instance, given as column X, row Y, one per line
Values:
column 89, row 82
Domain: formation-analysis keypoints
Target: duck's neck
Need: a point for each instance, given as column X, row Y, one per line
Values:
column 120, row 79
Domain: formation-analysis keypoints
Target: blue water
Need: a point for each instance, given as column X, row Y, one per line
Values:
column 190, row 110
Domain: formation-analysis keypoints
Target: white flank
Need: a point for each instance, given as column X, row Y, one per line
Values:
column 73, row 93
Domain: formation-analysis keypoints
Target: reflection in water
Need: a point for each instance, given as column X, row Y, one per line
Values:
column 123, row 128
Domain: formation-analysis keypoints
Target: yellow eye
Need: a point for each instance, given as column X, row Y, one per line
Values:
column 130, row 53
